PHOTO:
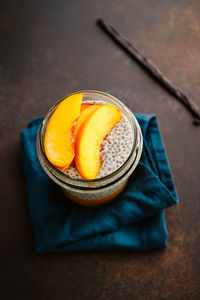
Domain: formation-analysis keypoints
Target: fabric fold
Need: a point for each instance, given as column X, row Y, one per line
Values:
column 134, row 220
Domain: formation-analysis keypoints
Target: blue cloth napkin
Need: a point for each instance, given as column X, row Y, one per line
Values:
column 135, row 220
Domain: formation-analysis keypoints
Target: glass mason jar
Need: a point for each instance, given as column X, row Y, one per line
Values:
column 100, row 190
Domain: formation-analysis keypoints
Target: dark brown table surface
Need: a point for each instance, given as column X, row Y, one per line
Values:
column 51, row 48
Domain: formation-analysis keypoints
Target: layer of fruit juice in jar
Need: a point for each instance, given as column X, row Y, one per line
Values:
column 116, row 149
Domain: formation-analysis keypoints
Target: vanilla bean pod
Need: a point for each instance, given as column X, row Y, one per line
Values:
column 151, row 68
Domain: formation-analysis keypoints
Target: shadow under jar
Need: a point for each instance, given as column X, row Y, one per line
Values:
column 103, row 189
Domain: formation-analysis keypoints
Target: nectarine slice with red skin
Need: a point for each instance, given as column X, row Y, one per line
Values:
column 58, row 143
column 90, row 138
column 85, row 105
column 84, row 116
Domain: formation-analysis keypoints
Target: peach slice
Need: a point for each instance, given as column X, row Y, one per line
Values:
column 58, row 143
column 85, row 113
column 90, row 138
column 85, row 105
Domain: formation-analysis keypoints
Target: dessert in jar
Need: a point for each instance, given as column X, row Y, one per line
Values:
column 89, row 143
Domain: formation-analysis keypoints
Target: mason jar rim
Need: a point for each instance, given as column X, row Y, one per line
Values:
column 52, row 171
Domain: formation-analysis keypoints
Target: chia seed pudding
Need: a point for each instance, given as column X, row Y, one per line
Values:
column 120, row 154
column 116, row 148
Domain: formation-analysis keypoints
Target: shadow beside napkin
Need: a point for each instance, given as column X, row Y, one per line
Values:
column 135, row 220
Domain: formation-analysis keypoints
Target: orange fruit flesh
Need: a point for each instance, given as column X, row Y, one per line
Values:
column 90, row 138
column 85, row 105
column 58, row 142
column 85, row 113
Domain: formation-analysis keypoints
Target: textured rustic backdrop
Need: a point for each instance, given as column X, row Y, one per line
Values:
column 50, row 48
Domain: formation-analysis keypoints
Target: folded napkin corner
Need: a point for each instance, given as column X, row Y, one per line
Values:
column 135, row 220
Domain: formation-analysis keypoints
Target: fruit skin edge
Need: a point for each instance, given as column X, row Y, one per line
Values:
column 58, row 130
column 58, row 153
column 84, row 115
column 92, row 139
